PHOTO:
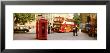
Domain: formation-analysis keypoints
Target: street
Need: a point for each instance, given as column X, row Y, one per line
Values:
column 57, row 22
column 54, row 36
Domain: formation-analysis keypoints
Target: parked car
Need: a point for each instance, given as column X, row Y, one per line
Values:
column 87, row 26
column 21, row 29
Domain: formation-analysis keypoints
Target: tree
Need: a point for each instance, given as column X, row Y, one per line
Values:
column 77, row 19
column 22, row 18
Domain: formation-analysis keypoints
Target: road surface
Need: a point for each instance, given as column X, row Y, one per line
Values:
column 54, row 36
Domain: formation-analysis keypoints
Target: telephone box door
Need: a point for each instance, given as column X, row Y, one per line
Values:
column 41, row 29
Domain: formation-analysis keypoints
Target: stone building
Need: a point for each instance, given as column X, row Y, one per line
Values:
column 93, row 18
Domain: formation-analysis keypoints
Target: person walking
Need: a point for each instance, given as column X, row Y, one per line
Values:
column 48, row 29
column 76, row 29
column 73, row 31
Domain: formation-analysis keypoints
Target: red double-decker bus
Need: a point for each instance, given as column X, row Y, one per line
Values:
column 62, row 25
column 66, row 26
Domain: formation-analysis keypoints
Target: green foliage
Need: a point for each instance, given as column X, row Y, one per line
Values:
column 77, row 19
column 22, row 18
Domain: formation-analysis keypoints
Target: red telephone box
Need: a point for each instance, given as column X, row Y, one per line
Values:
column 41, row 29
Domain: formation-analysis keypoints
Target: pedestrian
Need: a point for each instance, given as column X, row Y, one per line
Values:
column 76, row 29
column 48, row 29
column 73, row 31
